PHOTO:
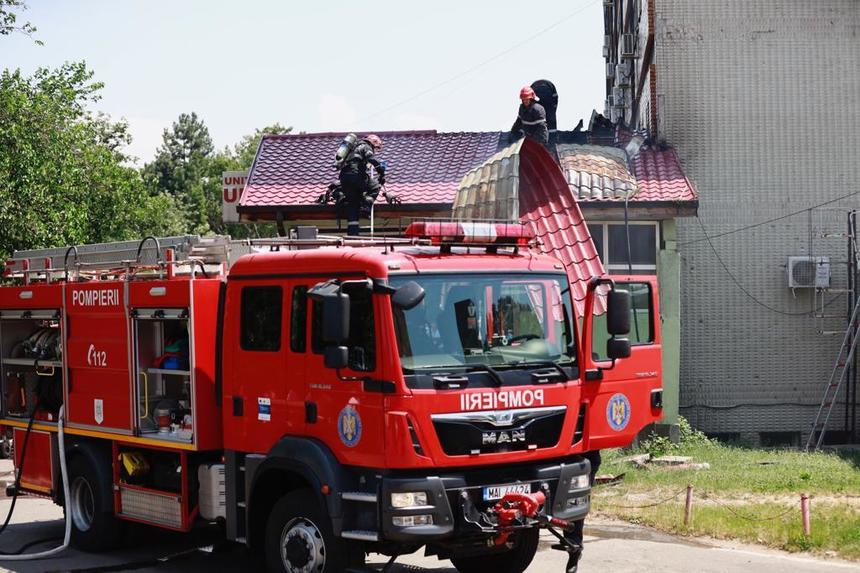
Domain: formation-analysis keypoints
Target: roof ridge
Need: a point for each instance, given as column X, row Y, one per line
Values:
column 322, row 134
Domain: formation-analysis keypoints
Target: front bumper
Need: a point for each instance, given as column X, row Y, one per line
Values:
column 453, row 499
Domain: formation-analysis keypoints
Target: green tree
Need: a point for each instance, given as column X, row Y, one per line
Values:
column 239, row 158
column 9, row 20
column 181, row 168
column 63, row 176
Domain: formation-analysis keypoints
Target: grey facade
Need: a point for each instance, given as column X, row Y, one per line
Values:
column 761, row 101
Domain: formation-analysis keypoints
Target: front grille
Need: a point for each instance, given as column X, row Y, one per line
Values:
column 499, row 431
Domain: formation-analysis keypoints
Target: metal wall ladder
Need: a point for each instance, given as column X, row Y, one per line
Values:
column 838, row 377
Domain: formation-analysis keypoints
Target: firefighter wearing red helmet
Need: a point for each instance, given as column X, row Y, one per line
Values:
column 359, row 188
column 531, row 118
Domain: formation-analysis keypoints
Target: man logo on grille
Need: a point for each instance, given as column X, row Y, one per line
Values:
column 618, row 412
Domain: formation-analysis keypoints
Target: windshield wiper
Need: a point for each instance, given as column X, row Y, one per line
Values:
column 491, row 372
column 559, row 371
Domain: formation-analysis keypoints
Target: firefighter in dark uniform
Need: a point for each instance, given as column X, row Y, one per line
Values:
column 531, row 119
column 359, row 188
column 575, row 534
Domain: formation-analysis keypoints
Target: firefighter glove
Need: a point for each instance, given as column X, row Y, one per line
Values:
column 392, row 198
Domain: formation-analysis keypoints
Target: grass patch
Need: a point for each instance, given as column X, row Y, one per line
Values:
column 754, row 484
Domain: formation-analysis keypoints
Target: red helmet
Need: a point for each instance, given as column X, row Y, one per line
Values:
column 374, row 140
column 527, row 93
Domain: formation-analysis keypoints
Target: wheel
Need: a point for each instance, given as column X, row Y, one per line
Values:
column 7, row 448
column 299, row 538
column 94, row 526
column 515, row 560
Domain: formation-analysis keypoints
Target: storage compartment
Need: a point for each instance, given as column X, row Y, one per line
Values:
column 38, row 472
column 152, row 485
column 31, row 349
column 165, row 390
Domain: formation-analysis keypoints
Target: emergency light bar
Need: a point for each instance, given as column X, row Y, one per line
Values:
column 439, row 232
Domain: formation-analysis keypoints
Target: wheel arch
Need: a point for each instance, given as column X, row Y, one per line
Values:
column 293, row 463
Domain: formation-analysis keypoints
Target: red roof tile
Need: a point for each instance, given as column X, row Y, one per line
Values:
column 424, row 167
column 549, row 208
column 661, row 178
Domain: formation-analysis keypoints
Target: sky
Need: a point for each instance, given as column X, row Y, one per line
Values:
column 322, row 66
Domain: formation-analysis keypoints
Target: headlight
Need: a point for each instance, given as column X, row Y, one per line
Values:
column 408, row 499
column 412, row 520
column 579, row 482
column 577, row 501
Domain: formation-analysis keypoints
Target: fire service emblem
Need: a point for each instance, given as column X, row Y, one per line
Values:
column 618, row 412
column 349, row 426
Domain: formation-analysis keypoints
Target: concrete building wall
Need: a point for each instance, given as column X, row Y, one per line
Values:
column 761, row 100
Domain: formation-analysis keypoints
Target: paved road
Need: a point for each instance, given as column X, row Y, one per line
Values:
column 610, row 546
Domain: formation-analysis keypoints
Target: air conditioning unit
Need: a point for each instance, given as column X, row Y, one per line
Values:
column 610, row 70
column 618, row 96
column 608, row 2
column 628, row 46
column 622, row 74
column 607, row 41
column 808, row 272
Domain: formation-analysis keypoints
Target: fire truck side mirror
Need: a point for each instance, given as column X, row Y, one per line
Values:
column 408, row 296
column 335, row 317
column 336, row 357
column 617, row 348
column 618, row 312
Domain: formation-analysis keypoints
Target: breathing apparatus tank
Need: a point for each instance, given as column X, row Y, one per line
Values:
column 344, row 149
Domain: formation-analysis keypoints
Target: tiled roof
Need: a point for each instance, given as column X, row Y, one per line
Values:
column 661, row 178
column 525, row 174
column 424, row 167
column 599, row 173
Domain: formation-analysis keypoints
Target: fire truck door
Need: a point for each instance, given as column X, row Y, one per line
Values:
column 348, row 418
column 620, row 399
column 261, row 407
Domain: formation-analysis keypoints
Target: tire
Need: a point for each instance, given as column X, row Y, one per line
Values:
column 94, row 526
column 515, row 560
column 299, row 538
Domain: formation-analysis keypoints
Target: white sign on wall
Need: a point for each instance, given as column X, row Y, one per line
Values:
column 232, row 185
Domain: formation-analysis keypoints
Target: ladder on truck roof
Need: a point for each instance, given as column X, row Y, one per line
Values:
column 163, row 254
column 166, row 255
column 838, row 377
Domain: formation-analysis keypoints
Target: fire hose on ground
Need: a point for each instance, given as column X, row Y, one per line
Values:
column 66, row 496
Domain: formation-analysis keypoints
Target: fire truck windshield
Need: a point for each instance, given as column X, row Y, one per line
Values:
column 503, row 321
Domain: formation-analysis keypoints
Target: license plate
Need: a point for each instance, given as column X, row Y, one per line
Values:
column 496, row 492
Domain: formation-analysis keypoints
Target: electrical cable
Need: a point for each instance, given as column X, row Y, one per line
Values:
column 742, row 288
column 481, row 64
column 775, row 219
column 630, row 263
column 20, row 470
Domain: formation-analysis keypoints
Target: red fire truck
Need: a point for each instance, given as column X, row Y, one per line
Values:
column 321, row 397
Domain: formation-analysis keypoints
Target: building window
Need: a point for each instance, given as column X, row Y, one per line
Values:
column 610, row 240
column 261, row 318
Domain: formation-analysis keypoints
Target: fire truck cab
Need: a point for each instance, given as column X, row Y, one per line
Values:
column 325, row 398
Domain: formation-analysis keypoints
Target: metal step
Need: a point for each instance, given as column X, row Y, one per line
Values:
column 359, row 496
column 360, row 535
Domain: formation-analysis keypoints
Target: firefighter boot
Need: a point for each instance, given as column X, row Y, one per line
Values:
column 574, row 554
column 573, row 557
